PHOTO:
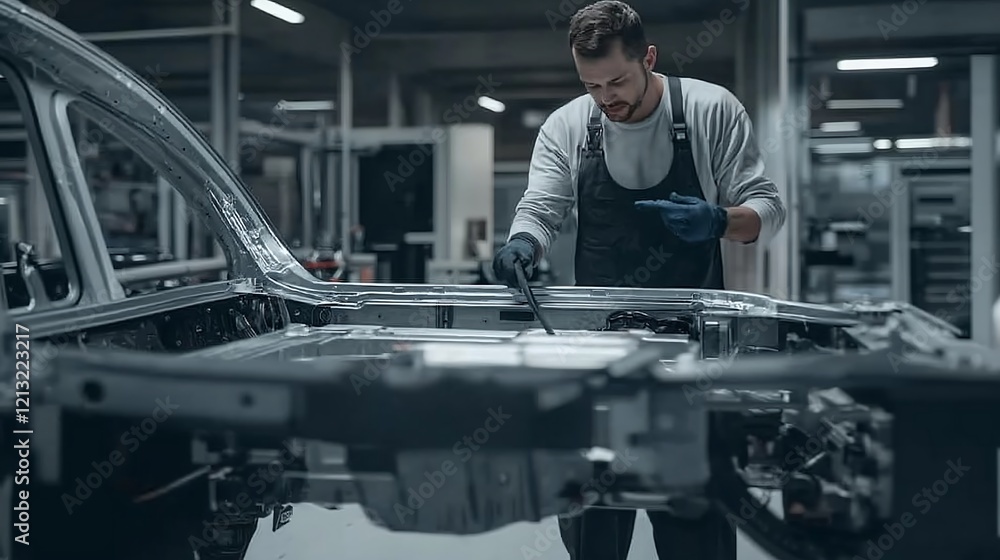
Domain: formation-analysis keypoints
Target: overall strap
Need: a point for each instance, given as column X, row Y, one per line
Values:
column 595, row 134
column 682, row 141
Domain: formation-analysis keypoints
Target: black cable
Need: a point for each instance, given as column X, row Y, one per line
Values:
column 522, row 282
column 772, row 534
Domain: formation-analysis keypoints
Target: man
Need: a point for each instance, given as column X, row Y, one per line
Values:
column 669, row 169
column 660, row 169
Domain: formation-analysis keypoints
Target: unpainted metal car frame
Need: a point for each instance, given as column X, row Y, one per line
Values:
column 55, row 67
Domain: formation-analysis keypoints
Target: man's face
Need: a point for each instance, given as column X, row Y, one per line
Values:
column 614, row 81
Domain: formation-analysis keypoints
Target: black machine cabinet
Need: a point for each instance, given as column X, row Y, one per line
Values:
column 396, row 197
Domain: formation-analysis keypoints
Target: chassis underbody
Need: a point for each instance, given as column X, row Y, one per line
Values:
column 681, row 405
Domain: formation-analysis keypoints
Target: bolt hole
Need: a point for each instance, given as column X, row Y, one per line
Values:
column 246, row 400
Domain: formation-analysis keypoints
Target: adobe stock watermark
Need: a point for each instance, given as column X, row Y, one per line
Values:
column 590, row 493
column 94, row 138
column 365, row 34
column 131, row 439
column 594, row 321
column 235, row 510
column 23, row 39
column 654, row 262
column 463, row 449
column 959, row 297
column 752, row 330
column 456, row 114
column 251, row 147
column 377, row 359
column 374, row 368
column 795, row 121
column 901, row 14
column 564, row 12
column 48, row 7
column 714, row 28
column 791, row 463
column 885, row 198
column 50, row 347
column 923, row 501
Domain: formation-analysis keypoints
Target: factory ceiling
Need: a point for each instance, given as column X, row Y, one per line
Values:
column 447, row 47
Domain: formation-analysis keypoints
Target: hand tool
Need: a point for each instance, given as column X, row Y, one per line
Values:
column 522, row 282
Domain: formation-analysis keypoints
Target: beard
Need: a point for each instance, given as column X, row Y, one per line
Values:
column 621, row 111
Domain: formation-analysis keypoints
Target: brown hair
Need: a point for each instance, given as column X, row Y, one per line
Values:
column 595, row 28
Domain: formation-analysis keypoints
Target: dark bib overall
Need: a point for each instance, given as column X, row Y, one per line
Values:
column 620, row 246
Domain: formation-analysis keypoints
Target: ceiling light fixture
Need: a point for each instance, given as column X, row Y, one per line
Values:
column 305, row 105
column 936, row 142
column 840, row 127
column 862, row 64
column 275, row 9
column 491, row 104
column 882, row 144
column 858, row 104
column 842, row 149
column 847, row 227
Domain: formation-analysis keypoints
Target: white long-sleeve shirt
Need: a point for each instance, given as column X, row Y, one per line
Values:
column 639, row 155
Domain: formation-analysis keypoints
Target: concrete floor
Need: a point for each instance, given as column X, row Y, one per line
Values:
column 315, row 533
column 318, row 534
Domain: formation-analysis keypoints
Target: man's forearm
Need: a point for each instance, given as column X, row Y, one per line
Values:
column 533, row 229
column 540, row 215
column 744, row 224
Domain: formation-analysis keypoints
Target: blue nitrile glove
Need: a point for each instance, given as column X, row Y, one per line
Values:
column 519, row 251
column 691, row 219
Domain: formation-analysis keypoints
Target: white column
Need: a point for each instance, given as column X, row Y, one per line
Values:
column 764, row 85
column 985, row 211
column 346, row 173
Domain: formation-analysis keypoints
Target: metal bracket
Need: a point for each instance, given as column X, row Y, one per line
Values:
column 27, row 267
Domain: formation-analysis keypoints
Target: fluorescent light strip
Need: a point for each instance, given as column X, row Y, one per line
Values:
column 305, row 105
column 847, row 227
column 842, row 149
column 840, row 127
column 849, row 104
column 937, row 142
column 275, row 9
column 887, row 63
column 882, row 144
column 491, row 104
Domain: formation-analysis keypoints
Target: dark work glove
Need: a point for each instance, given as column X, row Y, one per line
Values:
column 691, row 219
column 519, row 251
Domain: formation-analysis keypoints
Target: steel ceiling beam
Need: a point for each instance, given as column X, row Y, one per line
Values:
column 681, row 47
column 318, row 38
column 917, row 19
column 161, row 34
